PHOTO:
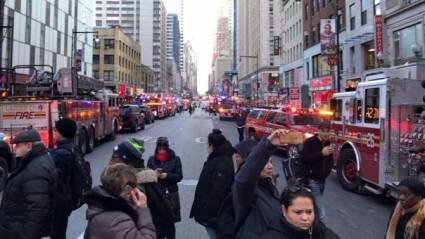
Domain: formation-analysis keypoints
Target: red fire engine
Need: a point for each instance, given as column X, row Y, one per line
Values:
column 95, row 110
column 373, row 128
column 158, row 107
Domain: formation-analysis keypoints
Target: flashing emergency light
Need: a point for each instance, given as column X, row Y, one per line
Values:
column 326, row 112
column 293, row 109
column 221, row 110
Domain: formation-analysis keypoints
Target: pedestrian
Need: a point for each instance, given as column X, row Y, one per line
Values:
column 255, row 199
column 317, row 161
column 130, row 152
column 214, row 183
column 6, row 155
column 168, row 167
column 26, row 209
column 407, row 219
column 226, row 214
column 240, row 123
column 63, row 158
column 299, row 217
column 117, row 208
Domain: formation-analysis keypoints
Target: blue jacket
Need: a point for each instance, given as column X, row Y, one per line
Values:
column 255, row 199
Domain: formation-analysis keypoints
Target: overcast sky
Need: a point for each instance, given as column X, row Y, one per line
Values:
column 200, row 27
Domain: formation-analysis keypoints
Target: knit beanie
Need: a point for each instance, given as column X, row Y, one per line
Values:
column 416, row 186
column 244, row 148
column 66, row 127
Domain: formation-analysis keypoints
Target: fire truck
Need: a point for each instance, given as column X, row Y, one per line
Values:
column 375, row 129
column 48, row 100
column 158, row 107
column 227, row 109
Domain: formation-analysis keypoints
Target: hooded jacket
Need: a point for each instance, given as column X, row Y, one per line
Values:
column 213, row 186
column 28, row 199
column 113, row 218
column 255, row 199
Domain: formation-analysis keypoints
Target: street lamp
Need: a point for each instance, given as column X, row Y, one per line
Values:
column 337, row 13
column 258, row 83
column 74, row 76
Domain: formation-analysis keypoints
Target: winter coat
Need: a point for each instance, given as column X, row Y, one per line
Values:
column 213, row 186
column 285, row 230
column 169, row 187
column 255, row 199
column 160, row 208
column 402, row 223
column 27, row 208
column 173, row 168
column 113, row 218
column 63, row 157
column 316, row 166
column 241, row 118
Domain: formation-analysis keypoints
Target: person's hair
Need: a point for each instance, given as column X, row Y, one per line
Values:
column 325, row 125
column 293, row 192
column 216, row 138
column 115, row 177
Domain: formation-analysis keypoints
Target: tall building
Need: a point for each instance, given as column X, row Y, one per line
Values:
column 318, row 72
column 289, row 33
column 190, row 71
column 258, row 75
column 126, row 14
column 177, row 7
column 173, row 39
column 116, row 60
column 43, row 33
column 154, row 39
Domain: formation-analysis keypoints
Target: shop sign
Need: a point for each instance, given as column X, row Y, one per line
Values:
column 351, row 84
column 122, row 91
column 322, row 83
column 294, row 93
column 379, row 37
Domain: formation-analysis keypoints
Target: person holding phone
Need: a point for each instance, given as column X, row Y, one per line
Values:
column 117, row 208
column 168, row 168
column 317, row 159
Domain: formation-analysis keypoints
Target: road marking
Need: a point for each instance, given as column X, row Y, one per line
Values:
column 81, row 236
column 145, row 138
column 200, row 140
column 189, row 182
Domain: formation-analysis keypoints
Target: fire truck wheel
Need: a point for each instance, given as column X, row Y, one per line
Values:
column 91, row 138
column 134, row 127
column 347, row 172
column 4, row 170
column 82, row 142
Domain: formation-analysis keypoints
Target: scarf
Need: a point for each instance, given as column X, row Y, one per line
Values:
column 162, row 156
column 415, row 222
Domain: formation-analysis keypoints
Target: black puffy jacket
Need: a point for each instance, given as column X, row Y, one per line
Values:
column 173, row 168
column 213, row 186
column 26, row 211
column 316, row 166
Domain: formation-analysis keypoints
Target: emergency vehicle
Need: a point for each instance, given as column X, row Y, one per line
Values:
column 227, row 109
column 158, row 107
column 96, row 114
column 373, row 128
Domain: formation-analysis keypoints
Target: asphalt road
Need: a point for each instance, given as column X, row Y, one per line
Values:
column 352, row 216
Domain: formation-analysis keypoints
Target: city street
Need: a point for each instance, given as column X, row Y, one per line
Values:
column 352, row 216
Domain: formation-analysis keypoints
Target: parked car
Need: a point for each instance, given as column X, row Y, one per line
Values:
column 149, row 117
column 131, row 117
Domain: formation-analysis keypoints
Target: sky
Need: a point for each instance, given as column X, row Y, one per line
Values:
column 200, row 26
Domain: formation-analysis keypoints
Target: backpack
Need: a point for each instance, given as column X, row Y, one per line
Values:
column 81, row 180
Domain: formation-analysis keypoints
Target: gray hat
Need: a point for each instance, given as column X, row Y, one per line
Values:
column 245, row 147
column 30, row 135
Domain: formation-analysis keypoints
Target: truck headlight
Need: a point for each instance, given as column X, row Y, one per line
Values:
column 308, row 135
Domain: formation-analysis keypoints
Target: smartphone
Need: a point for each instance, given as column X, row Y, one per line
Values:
column 126, row 192
column 160, row 170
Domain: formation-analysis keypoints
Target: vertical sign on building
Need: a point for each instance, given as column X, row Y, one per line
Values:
column 379, row 39
column 276, row 45
column 328, row 37
column 122, row 91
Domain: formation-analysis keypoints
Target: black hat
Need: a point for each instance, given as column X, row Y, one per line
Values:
column 162, row 141
column 415, row 185
column 128, row 153
column 244, row 148
column 66, row 127
column 30, row 135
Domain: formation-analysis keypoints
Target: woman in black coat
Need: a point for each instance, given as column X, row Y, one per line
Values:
column 169, row 170
column 214, row 182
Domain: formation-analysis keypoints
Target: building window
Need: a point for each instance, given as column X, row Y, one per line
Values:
column 95, row 59
column 371, row 113
column 96, row 74
column 316, row 66
column 306, row 11
column 405, row 38
column 313, row 8
column 109, row 43
column 353, row 57
column 108, row 59
column 352, row 17
column 364, row 11
column 108, row 75
column 369, row 55
column 377, row 8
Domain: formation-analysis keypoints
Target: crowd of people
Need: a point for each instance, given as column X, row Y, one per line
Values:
column 236, row 196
